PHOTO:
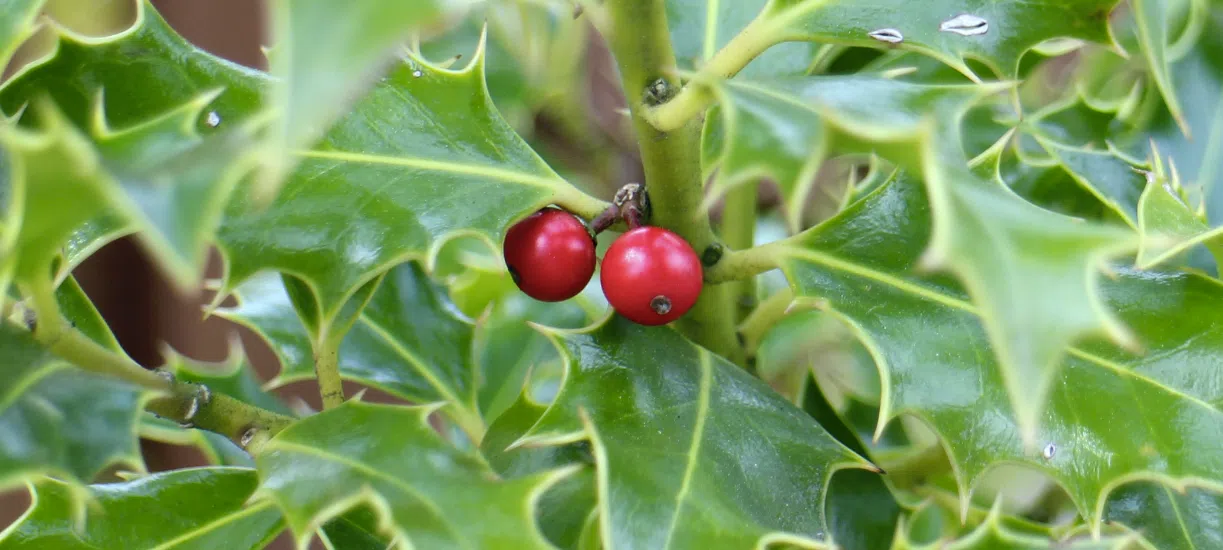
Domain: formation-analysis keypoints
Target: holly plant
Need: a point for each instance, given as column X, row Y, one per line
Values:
column 630, row 274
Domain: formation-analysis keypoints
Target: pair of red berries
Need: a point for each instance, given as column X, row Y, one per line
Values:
column 650, row 275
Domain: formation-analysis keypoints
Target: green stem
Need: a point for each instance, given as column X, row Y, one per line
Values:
column 327, row 370
column 195, row 405
column 752, row 41
column 739, row 231
column 757, row 325
column 641, row 43
column 185, row 403
column 740, row 265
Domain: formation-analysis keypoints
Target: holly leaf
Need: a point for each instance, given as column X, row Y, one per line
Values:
column 996, row 33
column 689, row 448
column 140, row 72
column 16, row 25
column 1035, row 303
column 187, row 508
column 409, row 340
column 366, row 198
column 1167, row 518
column 58, row 420
column 563, row 510
column 425, row 491
column 699, row 28
column 784, row 128
column 164, row 176
column 321, row 64
column 935, row 360
column 994, row 534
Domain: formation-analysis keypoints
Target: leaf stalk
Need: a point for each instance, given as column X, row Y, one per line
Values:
column 695, row 97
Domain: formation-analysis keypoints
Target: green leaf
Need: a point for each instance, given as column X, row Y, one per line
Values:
column 1151, row 17
column 142, row 72
column 57, row 420
column 423, row 158
column 1000, row 34
column 564, row 508
column 355, row 530
column 1168, row 518
column 783, row 128
column 409, row 341
column 1030, row 270
column 509, row 349
column 425, row 491
column 994, row 534
column 322, row 63
column 16, row 25
column 156, row 173
column 936, row 363
column 191, row 508
column 699, row 28
column 690, row 449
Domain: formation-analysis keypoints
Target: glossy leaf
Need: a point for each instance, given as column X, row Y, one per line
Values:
column 425, row 491
column 322, row 63
column 16, row 25
column 140, row 73
column 409, row 340
column 997, row 33
column 156, row 171
column 1168, row 518
column 57, row 420
column 690, row 449
column 699, row 28
column 1035, row 303
column 191, row 508
column 1151, row 17
column 784, row 128
column 1197, row 79
column 422, row 158
column 936, row 363
column 993, row 534
column 563, row 510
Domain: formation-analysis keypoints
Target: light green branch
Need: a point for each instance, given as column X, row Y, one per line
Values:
column 738, row 231
column 741, row 265
column 186, row 403
column 641, row 43
column 694, row 98
column 327, row 371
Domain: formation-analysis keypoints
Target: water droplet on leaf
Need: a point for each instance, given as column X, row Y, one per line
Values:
column 1049, row 451
column 417, row 73
column 965, row 24
column 891, row 36
column 213, row 119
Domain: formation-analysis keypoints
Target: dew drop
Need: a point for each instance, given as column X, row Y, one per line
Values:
column 248, row 436
column 417, row 73
column 1049, row 451
column 891, row 36
column 213, row 119
column 965, row 24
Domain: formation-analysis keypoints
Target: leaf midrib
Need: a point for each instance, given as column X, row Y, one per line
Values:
column 698, row 433
column 852, row 268
column 490, row 172
column 218, row 522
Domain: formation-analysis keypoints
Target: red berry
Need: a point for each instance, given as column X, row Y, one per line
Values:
column 550, row 255
column 651, row 276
